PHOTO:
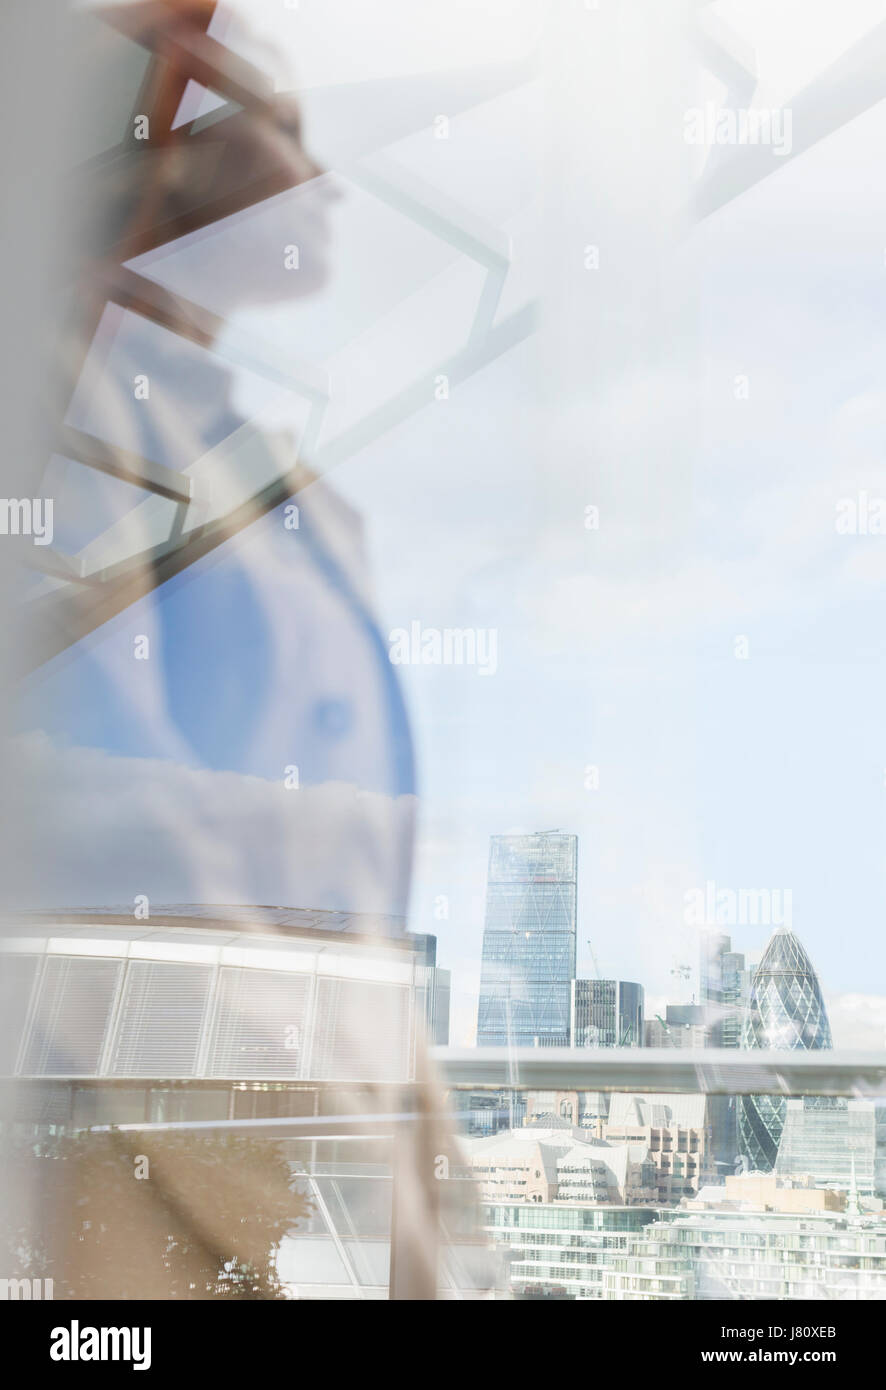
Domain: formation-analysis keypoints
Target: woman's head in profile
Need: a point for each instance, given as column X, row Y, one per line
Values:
column 212, row 164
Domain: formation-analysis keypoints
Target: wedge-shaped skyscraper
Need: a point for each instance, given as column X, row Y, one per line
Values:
column 528, row 941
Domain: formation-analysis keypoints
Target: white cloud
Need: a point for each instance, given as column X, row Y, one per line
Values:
column 858, row 1020
column 93, row 828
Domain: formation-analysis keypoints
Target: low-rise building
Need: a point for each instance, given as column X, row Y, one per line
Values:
column 554, row 1165
column 569, row 1250
column 753, row 1256
column 663, row 1032
column 766, row 1192
column 676, row 1131
column 567, row 1109
column 576, row 1251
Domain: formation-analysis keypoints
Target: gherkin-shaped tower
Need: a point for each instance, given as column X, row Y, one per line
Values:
column 785, row 1011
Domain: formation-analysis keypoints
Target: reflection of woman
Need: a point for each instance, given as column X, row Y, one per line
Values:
column 267, row 657
column 260, row 754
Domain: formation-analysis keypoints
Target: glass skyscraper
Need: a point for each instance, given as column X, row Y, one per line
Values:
column 785, row 1011
column 724, row 983
column 837, row 1147
column 528, row 941
column 607, row 1013
column 723, row 990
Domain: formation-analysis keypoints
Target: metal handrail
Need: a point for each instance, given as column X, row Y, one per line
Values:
column 714, row 1071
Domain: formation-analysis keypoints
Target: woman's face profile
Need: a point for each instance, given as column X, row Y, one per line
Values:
column 274, row 246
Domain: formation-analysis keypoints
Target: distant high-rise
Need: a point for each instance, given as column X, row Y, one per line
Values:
column 724, row 984
column 682, row 1026
column 785, row 1011
column 528, row 941
column 606, row 1013
column 835, row 1147
column 723, row 990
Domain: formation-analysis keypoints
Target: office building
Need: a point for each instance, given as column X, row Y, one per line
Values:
column 723, row 991
column 529, row 940
column 766, row 1192
column 724, row 984
column 212, row 1013
column 641, row 1254
column 554, row 1165
column 676, row 1131
column 880, row 1152
column 566, row 1109
column 754, row 1256
column 484, row 1112
column 568, row 1250
column 785, row 1010
column 606, row 1013
column 682, row 1026
column 836, row 1146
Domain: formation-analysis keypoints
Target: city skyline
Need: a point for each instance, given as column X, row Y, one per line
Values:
column 723, row 977
column 445, row 781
